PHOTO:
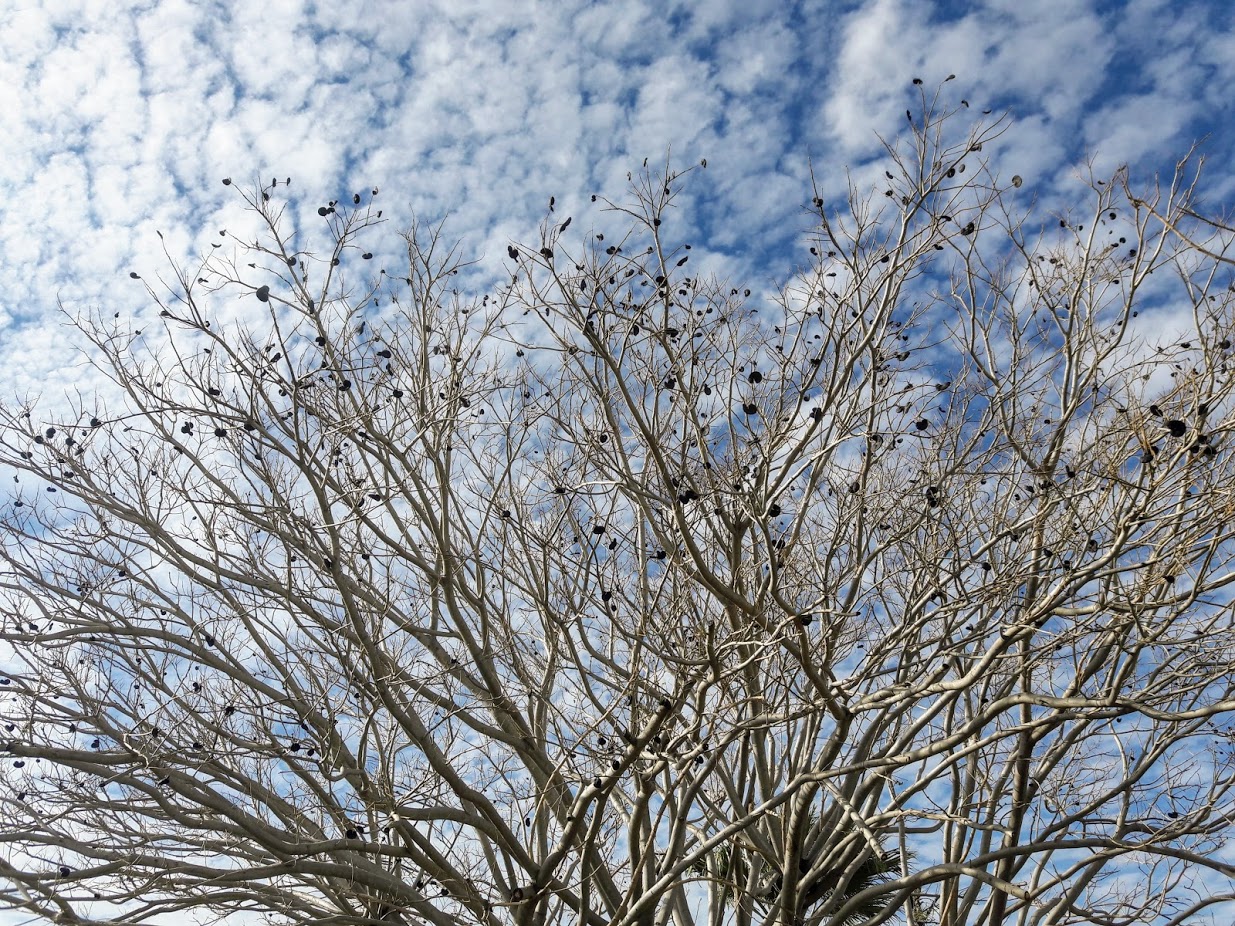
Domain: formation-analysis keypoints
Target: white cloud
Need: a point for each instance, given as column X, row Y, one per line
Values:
column 121, row 119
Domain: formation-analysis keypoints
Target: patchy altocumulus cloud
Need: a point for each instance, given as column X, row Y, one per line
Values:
column 121, row 119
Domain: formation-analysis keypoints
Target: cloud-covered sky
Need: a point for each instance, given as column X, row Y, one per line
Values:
column 120, row 119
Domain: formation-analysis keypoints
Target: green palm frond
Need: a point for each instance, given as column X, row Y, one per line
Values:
column 729, row 870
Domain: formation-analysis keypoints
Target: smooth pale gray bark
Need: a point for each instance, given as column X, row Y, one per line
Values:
column 618, row 594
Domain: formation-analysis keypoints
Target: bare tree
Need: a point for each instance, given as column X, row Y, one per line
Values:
column 617, row 594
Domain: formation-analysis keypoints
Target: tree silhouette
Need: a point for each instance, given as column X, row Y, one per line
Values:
column 601, row 590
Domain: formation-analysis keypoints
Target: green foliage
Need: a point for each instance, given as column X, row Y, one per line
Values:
column 819, row 889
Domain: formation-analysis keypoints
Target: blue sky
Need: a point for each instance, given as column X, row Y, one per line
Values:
column 122, row 118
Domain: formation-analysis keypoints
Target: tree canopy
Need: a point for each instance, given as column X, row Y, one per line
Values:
column 617, row 593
